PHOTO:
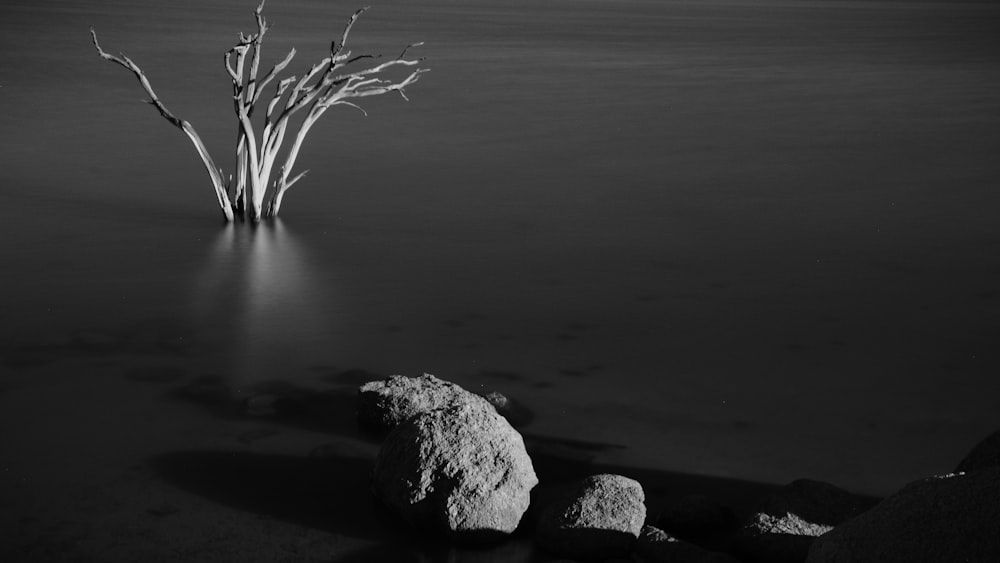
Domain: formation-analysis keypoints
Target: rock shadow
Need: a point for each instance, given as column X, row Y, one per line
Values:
column 662, row 488
column 323, row 493
column 518, row 549
column 331, row 494
column 331, row 411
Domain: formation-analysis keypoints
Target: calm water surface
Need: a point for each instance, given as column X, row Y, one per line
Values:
column 740, row 239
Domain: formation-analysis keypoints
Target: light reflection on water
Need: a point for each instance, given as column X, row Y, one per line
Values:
column 263, row 282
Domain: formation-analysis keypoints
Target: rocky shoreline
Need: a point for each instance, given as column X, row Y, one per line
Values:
column 453, row 466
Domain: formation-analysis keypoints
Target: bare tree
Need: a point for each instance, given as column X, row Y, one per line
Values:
column 328, row 83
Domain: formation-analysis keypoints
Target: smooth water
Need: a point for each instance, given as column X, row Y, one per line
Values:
column 754, row 240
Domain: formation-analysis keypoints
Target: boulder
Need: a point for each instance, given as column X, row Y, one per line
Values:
column 384, row 404
column 985, row 454
column 460, row 470
column 598, row 518
column 950, row 518
column 656, row 546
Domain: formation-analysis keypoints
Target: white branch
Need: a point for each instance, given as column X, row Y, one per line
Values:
column 355, row 106
column 273, row 72
column 218, row 180
column 336, row 49
column 325, row 84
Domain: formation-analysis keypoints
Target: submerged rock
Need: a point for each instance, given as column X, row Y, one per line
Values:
column 384, row 404
column 983, row 455
column 950, row 518
column 599, row 518
column 460, row 470
column 656, row 546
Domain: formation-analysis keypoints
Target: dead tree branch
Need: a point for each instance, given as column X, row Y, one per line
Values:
column 214, row 172
column 327, row 83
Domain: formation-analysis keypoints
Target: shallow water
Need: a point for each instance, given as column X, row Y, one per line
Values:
column 733, row 239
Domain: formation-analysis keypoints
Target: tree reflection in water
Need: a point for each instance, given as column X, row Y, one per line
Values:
column 259, row 300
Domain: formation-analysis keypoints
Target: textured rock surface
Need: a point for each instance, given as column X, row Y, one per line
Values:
column 461, row 470
column 777, row 539
column 950, row 518
column 599, row 518
column 383, row 404
column 816, row 502
column 984, row 455
column 787, row 523
column 656, row 546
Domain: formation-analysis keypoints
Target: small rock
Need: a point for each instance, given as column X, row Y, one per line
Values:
column 517, row 414
column 984, row 455
column 777, row 539
column 382, row 405
column 460, row 470
column 599, row 518
column 816, row 502
column 656, row 546
column 498, row 400
column 788, row 522
column 949, row 518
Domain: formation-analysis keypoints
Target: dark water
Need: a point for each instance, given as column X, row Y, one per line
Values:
column 739, row 239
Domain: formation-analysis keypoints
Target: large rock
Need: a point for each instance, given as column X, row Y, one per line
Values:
column 951, row 518
column 599, row 518
column 656, row 546
column 984, row 455
column 382, row 405
column 460, row 470
column 786, row 524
